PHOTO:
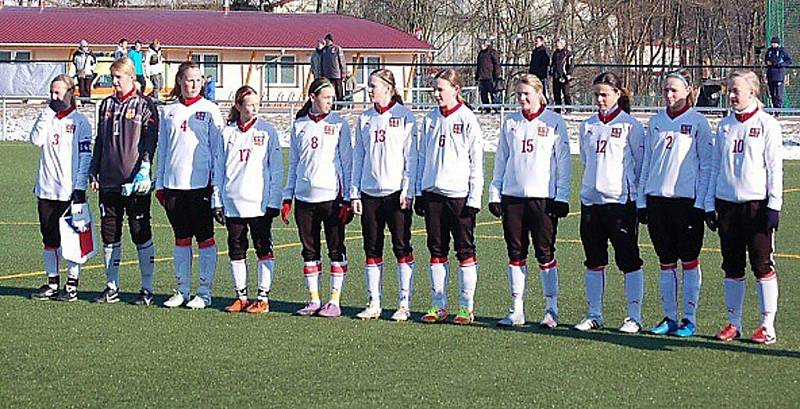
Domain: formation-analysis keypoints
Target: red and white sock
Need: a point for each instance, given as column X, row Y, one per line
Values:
column 439, row 277
column 405, row 276
column 338, row 274
column 767, row 290
column 265, row 266
column 734, row 299
column 595, row 280
column 374, row 272
column 182, row 259
column 517, row 274
column 668, row 285
column 548, row 274
column 692, row 281
column 468, row 281
column 311, row 272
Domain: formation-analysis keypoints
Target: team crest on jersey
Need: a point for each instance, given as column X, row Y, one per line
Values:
column 329, row 129
column 130, row 114
column 458, row 128
column 616, row 132
column 542, row 131
column 686, row 129
column 394, row 122
column 755, row 132
column 258, row 139
column 200, row 116
column 70, row 128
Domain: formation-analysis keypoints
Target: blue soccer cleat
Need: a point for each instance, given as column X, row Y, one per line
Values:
column 687, row 329
column 666, row 326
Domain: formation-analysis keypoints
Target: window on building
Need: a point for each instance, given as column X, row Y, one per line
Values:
column 209, row 64
column 363, row 66
column 10, row 56
column 280, row 70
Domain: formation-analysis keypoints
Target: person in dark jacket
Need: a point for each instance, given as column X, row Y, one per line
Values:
column 333, row 66
column 540, row 62
column 85, row 62
column 561, row 71
column 488, row 73
column 776, row 60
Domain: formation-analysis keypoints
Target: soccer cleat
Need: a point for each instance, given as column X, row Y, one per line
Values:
column 550, row 320
column 464, row 317
column 686, row 329
column 513, row 319
column 108, row 296
column 196, row 303
column 729, row 332
column 330, row 310
column 630, row 326
column 45, row 292
column 67, row 295
column 145, row 298
column 666, row 326
column 258, row 306
column 588, row 324
column 312, row 308
column 435, row 315
column 764, row 336
column 176, row 300
column 238, row 305
column 402, row 314
column 372, row 312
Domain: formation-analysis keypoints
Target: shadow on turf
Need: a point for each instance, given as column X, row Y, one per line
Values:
column 643, row 342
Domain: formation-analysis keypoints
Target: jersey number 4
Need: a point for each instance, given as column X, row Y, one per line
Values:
column 184, row 125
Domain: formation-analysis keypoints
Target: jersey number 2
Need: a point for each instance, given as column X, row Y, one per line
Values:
column 670, row 141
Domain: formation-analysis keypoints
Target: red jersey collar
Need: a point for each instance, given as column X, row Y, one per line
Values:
column 530, row 116
column 246, row 127
column 123, row 98
column 190, row 101
column 673, row 115
column 747, row 113
column 609, row 116
column 63, row 114
column 448, row 112
column 381, row 109
column 316, row 118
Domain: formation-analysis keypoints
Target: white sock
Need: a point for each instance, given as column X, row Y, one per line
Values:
column 266, row 265
column 595, row 281
column 73, row 270
column 692, row 281
column 468, row 281
column 311, row 272
column 338, row 274
column 634, row 293
column 50, row 256
column 147, row 259
column 668, row 285
column 439, row 276
column 373, row 272
column 405, row 278
column 208, row 266
column 239, row 273
column 112, row 253
column 734, row 299
column 517, row 273
column 182, row 258
column 548, row 273
column 767, row 290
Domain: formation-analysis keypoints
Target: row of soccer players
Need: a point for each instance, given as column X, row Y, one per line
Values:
column 672, row 177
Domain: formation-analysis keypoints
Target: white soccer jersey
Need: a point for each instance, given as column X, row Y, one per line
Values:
column 66, row 142
column 186, row 142
column 747, row 163
column 611, row 152
column 677, row 158
column 320, row 159
column 385, row 152
column 450, row 159
column 248, row 171
column 532, row 158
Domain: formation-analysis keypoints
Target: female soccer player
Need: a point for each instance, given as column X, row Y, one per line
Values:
column 672, row 189
column 384, row 168
column 248, row 172
column 449, row 188
column 320, row 168
column 744, row 200
column 65, row 138
column 187, row 142
column 530, row 191
column 611, row 148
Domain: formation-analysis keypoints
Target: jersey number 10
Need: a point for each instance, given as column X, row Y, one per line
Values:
column 738, row 146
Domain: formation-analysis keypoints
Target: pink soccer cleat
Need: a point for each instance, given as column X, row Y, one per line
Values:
column 330, row 310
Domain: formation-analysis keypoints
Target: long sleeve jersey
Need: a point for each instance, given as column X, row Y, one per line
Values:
column 450, row 159
column 532, row 158
column 611, row 150
column 187, row 141
column 127, row 134
column 677, row 158
column 66, row 142
column 385, row 152
column 747, row 163
column 320, row 159
column 248, row 170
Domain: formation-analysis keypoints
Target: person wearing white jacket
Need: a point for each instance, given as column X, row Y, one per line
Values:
column 449, row 188
column 247, row 175
column 530, row 191
column 64, row 136
column 383, row 187
column 672, row 189
column 744, row 200
column 318, row 179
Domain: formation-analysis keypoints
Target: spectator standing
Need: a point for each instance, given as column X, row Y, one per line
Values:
column 121, row 50
column 333, row 66
column 540, row 62
column 776, row 60
column 316, row 59
column 135, row 54
column 561, row 71
column 488, row 73
column 84, row 61
column 155, row 67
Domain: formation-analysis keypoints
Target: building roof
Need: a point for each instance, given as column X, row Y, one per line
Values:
column 197, row 29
